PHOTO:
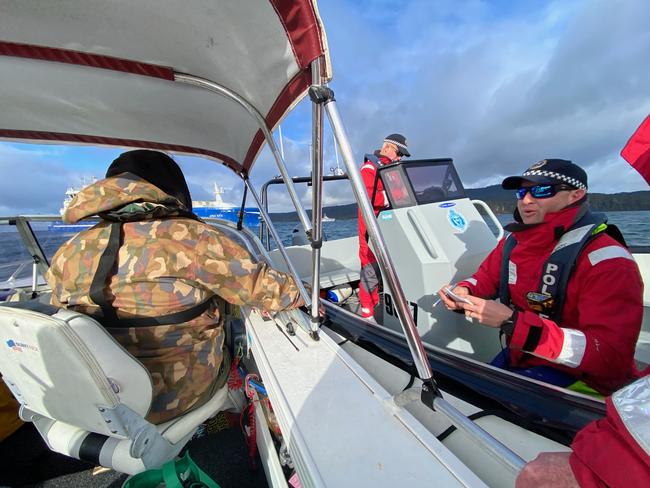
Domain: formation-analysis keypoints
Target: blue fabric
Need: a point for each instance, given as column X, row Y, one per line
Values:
column 546, row 374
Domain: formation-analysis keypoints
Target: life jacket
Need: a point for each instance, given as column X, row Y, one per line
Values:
column 107, row 268
column 558, row 268
column 374, row 160
column 116, row 200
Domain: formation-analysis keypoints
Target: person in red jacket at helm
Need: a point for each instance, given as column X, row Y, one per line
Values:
column 570, row 294
column 392, row 150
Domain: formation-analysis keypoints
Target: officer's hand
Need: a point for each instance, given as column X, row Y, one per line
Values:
column 461, row 291
column 488, row 312
column 550, row 470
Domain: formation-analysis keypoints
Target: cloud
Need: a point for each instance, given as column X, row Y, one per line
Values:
column 34, row 180
column 497, row 90
column 495, row 85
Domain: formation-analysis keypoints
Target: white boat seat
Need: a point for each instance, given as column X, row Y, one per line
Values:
column 86, row 395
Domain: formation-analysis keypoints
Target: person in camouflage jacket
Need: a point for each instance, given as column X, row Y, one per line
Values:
column 168, row 261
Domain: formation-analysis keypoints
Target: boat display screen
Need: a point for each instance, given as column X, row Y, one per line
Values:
column 434, row 183
column 397, row 188
column 410, row 183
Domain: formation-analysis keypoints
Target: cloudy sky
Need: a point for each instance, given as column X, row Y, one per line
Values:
column 496, row 85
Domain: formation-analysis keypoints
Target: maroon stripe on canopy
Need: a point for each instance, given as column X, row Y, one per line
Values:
column 114, row 141
column 303, row 30
column 68, row 56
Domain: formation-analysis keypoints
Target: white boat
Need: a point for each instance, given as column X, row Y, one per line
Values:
column 327, row 219
column 348, row 416
column 70, row 193
column 219, row 209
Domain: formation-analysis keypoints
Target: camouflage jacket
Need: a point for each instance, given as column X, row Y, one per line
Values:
column 165, row 265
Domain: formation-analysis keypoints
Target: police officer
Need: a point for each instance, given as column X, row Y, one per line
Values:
column 392, row 150
column 570, row 294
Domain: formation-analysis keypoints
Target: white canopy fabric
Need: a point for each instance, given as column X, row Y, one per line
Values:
column 102, row 72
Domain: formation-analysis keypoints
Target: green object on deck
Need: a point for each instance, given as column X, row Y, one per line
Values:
column 582, row 387
column 179, row 473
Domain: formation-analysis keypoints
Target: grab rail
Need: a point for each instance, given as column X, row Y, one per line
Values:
column 493, row 217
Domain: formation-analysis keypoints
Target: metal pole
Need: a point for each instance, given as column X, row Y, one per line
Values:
column 283, row 251
column 359, row 189
column 263, row 230
column 281, row 141
column 317, row 196
column 500, row 452
column 338, row 170
column 221, row 90
column 492, row 445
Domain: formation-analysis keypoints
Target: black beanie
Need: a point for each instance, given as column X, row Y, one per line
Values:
column 157, row 168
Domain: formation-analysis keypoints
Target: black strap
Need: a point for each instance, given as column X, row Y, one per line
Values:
column 108, row 317
column 504, row 287
column 242, row 209
column 169, row 319
column 104, row 272
column 91, row 447
column 560, row 265
column 533, row 338
column 371, row 158
column 507, row 416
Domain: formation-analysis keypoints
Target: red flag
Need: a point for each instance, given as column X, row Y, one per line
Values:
column 637, row 150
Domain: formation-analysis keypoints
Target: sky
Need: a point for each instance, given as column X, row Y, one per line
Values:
column 495, row 85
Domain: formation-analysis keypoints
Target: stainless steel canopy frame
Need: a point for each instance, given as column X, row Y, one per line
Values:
column 278, row 240
column 302, row 215
column 317, row 196
column 221, row 90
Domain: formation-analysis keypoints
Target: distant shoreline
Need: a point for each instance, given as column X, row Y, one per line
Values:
column 503, row 202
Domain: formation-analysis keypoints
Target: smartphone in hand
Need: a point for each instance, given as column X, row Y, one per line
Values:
column 456, row 298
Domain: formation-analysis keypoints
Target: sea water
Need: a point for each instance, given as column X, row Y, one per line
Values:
column 634, row 225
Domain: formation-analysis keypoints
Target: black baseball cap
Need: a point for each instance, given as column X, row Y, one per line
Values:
column 400, row 141
column 550, row 172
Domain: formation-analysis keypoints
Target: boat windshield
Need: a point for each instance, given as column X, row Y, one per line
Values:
column 420, row 182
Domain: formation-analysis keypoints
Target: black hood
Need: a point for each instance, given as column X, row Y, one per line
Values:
column 157, row 168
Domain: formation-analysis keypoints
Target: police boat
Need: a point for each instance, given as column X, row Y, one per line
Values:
column 352, row 405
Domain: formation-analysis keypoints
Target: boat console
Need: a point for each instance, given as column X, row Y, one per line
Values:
column 435, row 236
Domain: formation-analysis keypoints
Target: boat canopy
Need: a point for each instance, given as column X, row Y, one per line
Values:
column 115, row 72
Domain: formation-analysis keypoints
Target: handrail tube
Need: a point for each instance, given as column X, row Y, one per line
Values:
column 264, row 231
column 494, row 447
column 280, row 181
column 304, row 179
column 33, row 246
column 493, row 217
column 316, row 196
column 283, row 251
column 279, row 161
column 361, row 195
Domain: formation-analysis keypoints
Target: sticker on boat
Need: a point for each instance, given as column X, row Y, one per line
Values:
column 447, row 205
column 457, row 221
column 387, row 215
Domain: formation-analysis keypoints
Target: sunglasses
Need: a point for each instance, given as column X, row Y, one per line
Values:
column 541, row 191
